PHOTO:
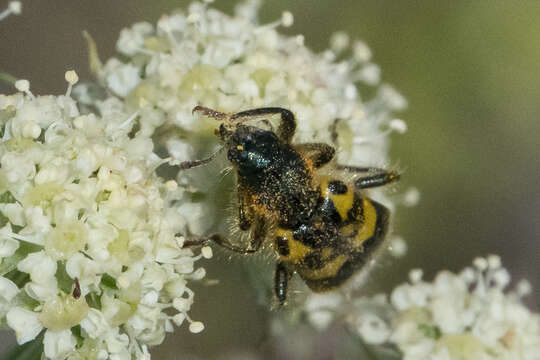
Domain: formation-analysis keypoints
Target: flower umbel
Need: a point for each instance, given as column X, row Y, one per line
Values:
column 89, row 246
column 466, row 316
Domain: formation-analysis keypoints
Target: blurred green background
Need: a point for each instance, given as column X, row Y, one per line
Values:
column 471, row 73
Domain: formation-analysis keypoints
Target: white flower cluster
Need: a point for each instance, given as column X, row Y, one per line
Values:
column 89, row 243
column 88, row 246
column 465, row 316
column 205, row 57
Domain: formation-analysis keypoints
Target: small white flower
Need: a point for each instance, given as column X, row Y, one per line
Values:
column 206, row 252
column 95, row 324
column 123, row 78
column 287, row 18
column 25, row 323
column 132, row 40
column 398, row 246
column 373, row 329
column 15, row 7
column 85, row 270
column 22, row 85
column 17, row 167
column 39, row 265
column 56, row 345
column 8, row 291
column 361, row 51
column 339, row 41
column 8, row 246
column 196, row 327
column 37, row 223
column 14, row 212
column 71, row 77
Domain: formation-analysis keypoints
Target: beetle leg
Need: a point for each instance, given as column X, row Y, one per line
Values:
column 287, row 126
column 245, row 213
column 281, row 281
column 256, row 240
column 379, row 177
column 319, row 153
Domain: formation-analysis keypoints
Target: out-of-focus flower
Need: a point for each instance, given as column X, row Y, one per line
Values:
column 14, row 7
column 467, row 316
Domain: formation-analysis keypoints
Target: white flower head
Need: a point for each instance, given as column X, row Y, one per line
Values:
column 85, row 217
column 457, row 316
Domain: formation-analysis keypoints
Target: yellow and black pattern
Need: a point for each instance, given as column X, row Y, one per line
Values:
column 344, row 234
column 322, row 228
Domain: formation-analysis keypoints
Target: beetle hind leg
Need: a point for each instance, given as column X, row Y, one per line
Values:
column 375, row 176
column 281, row 281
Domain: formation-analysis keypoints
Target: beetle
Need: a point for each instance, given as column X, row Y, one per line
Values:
column 321, row 226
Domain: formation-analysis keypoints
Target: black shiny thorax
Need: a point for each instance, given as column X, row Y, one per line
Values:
column 275, row 173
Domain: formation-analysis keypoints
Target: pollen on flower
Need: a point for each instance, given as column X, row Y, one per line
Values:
column 63, row 312
column 71, row 77
column 66, row 239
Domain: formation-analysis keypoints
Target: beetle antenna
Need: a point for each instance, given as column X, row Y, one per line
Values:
column 194, row 163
